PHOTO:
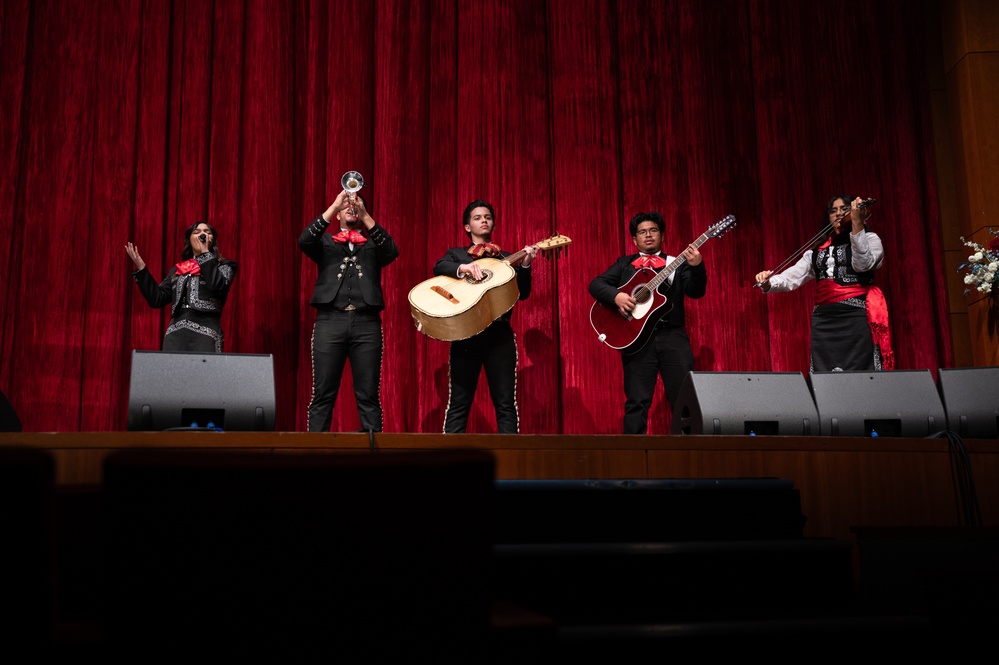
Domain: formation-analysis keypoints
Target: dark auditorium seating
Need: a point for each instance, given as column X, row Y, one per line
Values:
column 27, row 549
column 354, row 556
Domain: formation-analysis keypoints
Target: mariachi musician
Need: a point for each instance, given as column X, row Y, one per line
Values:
column 666, row 352
column 850, row 319
column 494, row 349
column 348, row 300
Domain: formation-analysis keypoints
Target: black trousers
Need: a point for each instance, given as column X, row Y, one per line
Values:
column 336, row 338
column 666, row 354
column 495, row 350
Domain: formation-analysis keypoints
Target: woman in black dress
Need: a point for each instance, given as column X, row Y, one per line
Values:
column 850, row 328
column 196, row 288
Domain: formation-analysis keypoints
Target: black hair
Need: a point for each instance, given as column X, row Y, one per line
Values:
column 839, row 238
column 646, row 217
column 829, row 206
column 188, row 251
column 477, row 203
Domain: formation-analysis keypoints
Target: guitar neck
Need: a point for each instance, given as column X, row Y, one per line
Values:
column 654, row 283
column 515, row 258
column 555, row 242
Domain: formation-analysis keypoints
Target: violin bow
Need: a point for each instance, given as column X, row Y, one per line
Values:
column 816, row 239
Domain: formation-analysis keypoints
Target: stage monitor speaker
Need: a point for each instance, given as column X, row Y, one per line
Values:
column 896, row 403
column 971, row 401
column 9, row 422
column 764, row 403
column 227, row 391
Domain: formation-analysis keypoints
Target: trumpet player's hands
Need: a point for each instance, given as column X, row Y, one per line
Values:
column 341, row 202
column 625, row 304
column 133, row 253
column 531, row 251
column 363, row 214
column 472, row 270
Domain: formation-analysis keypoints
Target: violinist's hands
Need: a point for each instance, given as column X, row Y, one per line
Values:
column 858, row 215
column 473, row 270
column 531, row 252
column 625, row 304
column 338, row 204
column 763, row 278
column 133, row 253
column 692, row 255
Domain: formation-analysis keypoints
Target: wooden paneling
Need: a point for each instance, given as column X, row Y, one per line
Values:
column 844, row 482
column 983, row 324
column 571, row 464
column 841, row 489
column 968, row 26
column 963, row 51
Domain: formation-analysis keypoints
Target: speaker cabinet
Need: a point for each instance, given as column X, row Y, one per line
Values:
column 971, row 399
column 767, row 403
column 897, row 403
column 228, row 391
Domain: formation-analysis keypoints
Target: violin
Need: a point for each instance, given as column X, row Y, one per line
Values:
column 819, row 237
column 848, row 217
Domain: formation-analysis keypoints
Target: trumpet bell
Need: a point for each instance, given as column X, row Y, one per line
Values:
column 351, row 181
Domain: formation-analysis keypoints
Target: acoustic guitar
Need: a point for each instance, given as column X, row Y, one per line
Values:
column 450, row 308
column 629, row 334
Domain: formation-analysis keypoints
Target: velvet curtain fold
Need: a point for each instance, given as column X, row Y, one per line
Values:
column 131, row 119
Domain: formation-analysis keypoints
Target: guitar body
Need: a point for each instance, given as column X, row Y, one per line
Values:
column 448, row 309
column 630, row 335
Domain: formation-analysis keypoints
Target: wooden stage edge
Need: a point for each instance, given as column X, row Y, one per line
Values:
column 844, row 482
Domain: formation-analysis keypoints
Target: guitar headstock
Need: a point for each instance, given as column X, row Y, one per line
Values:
column 556, row 242
column 720, row 227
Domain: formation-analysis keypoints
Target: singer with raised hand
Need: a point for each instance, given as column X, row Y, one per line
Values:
column 348, row 300
column 196, row 288
column 849, row 330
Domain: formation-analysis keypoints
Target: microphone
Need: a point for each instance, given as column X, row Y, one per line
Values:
column 203, row 237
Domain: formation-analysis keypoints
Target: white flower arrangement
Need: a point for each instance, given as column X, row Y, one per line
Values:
column 982, row 265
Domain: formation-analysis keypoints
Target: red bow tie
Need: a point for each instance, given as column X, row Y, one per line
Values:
column 648, row 261
column 349, row 235
column 484, row 249
column 189, row 267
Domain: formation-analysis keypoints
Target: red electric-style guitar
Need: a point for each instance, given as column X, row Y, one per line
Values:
column 630, row 334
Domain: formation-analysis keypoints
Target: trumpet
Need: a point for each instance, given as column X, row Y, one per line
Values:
column 352, row 181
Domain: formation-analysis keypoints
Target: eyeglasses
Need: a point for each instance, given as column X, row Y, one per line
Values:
column 647, row 232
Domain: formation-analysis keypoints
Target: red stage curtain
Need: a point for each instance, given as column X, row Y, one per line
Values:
column 131, row 119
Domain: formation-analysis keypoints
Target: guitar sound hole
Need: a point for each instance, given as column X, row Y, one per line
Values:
column 641, row 295
column 486, row 276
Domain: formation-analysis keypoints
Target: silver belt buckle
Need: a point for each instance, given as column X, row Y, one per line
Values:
column 349, row 308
